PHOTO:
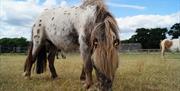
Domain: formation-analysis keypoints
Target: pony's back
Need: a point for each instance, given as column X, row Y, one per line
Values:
column 175, row 45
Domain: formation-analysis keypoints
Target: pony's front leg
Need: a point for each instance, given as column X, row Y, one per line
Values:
column 162, row 51
column 83, row 75
column 88, row 72
column 87, row 67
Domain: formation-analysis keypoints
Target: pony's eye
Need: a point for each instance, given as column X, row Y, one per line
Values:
column 95, row 43
column 116, row 42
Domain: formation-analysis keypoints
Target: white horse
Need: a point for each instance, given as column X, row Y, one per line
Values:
column 171, row 45
column 90, row 26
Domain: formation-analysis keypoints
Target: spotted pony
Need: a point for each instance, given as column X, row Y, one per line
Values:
column 171, row 45
column 91, row 27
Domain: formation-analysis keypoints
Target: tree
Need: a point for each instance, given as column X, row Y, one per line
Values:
column 21, row 42
column 175, row 31
column 149, row 38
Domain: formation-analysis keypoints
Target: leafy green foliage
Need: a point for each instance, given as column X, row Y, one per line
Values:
column 175, row 31
column 21, row 42
column 149, row 38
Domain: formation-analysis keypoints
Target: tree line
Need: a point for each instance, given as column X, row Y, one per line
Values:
column 149, row 38
column 14, row 42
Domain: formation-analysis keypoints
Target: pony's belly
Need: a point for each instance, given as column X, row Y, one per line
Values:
column 174, row 49
column 65, row 42
column 68, row 44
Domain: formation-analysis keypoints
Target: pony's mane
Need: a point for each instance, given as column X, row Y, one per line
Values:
column 93, row 2
column 102, row 14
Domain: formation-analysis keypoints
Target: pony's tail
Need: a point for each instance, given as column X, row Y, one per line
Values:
column 41, row 60
column 29, row 58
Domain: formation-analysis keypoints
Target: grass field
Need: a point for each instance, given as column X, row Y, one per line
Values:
column 140, row 72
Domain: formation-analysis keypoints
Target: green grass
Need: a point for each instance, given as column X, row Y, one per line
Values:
column 141, row 72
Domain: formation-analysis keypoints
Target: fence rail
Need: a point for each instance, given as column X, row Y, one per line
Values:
column 12, row 49
column 147, row 51
column 7, row 49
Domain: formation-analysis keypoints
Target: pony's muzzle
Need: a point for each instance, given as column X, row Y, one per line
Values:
column 106, row 89
column 110, row 89
column 106, row 85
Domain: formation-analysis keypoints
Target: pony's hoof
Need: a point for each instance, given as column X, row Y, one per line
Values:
column 93, row 88
column 83, row 81
column 64, row 57
column 55, row 78
column 24, row 74
column 27, row 77
column 86, row 85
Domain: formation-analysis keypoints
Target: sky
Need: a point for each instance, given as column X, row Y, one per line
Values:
column 18, row 16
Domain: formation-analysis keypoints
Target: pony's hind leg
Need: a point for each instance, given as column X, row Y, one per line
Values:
column 57, row 55
column 51, row 57
column 29, row 62
column 62, row 55
column 37, row 38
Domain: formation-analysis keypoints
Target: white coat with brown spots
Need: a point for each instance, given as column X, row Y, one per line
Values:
column 62, row 26
column 91, row 27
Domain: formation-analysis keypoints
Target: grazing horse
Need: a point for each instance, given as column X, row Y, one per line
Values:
column 91, row 27
column 171, row 45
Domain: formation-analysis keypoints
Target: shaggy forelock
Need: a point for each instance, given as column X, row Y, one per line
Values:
column 106, row 58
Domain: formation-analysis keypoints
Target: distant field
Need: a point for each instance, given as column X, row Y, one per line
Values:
column 136, row 72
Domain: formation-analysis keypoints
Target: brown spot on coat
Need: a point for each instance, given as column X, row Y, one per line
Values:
column 36, row 36
column 168, row 44
column 38, row 31
column 37, row 42
column 52, row 18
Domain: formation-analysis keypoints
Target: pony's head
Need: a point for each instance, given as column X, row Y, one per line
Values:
column 105, row 43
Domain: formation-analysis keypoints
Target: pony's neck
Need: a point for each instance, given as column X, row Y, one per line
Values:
column 87, row 15
column 91, row 2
